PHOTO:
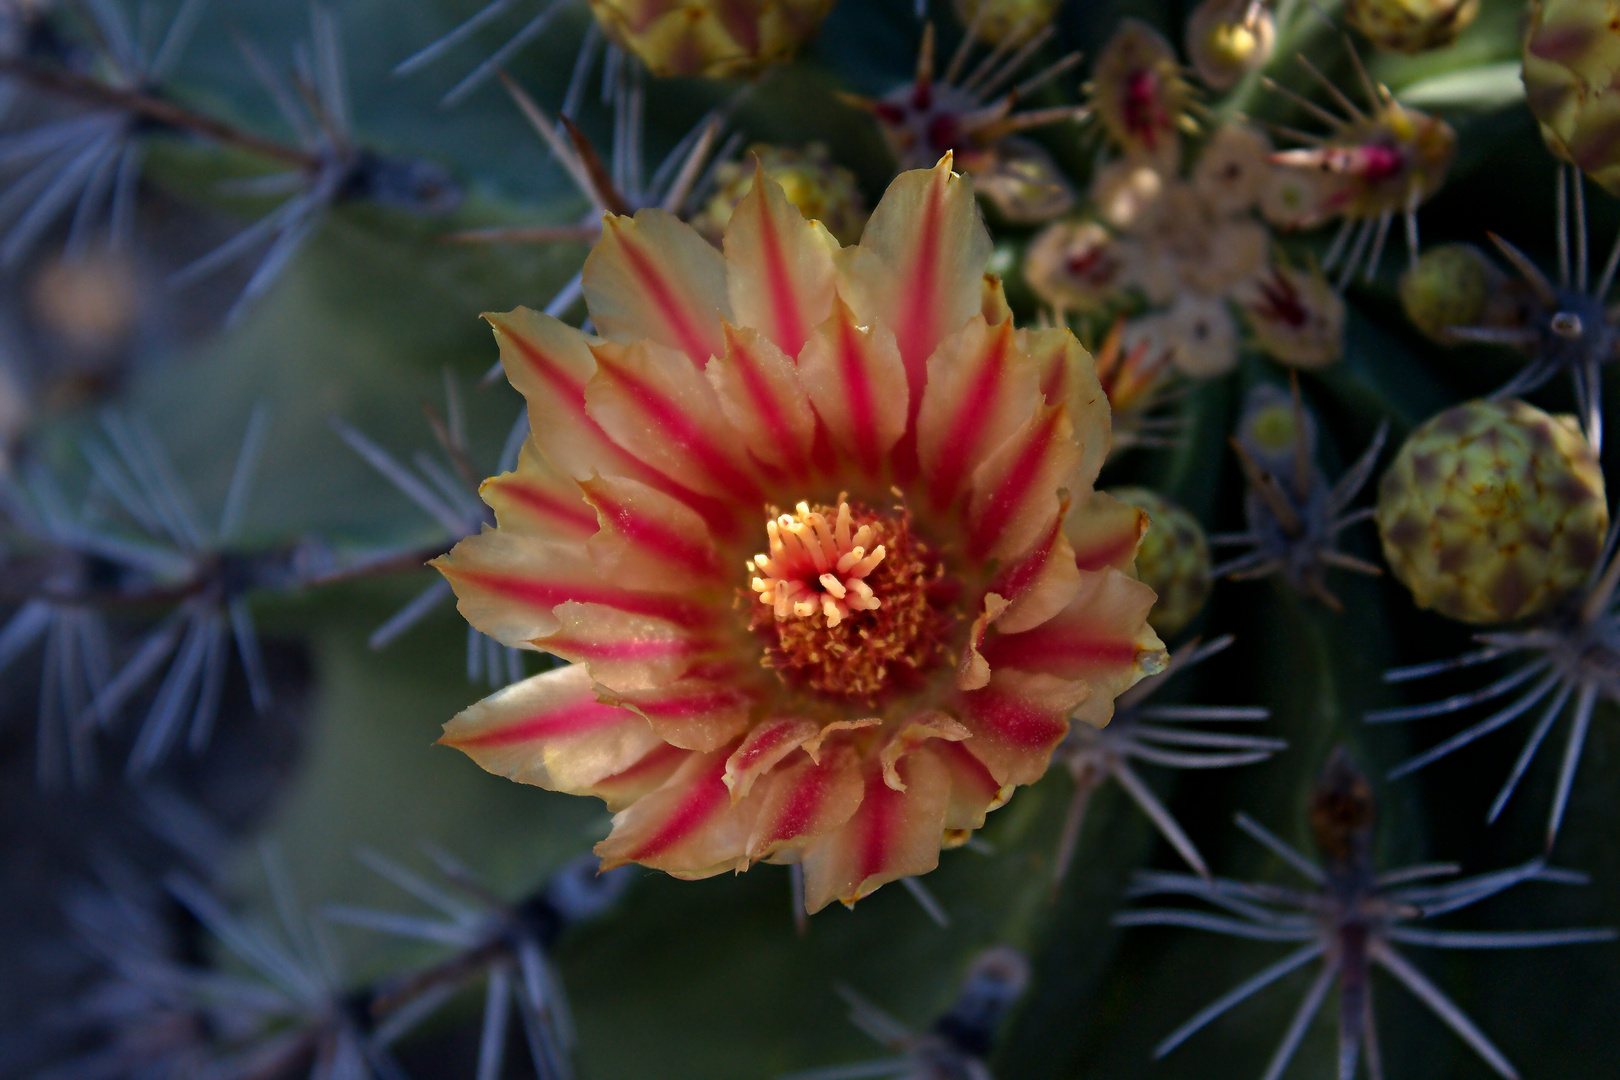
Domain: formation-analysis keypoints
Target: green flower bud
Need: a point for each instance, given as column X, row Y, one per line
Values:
column 1173, row 560
column 1449, row 286
column 1493, row 511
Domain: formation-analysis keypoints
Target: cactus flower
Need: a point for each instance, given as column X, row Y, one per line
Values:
column 813, row 529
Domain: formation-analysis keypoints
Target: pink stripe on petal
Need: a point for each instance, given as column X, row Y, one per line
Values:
column 547, row 594
column 967, row 772
column 917, row 328
column 858, row 397
column 760, row 393
column 690, row 712
column 963, row 439
column 920, row 266
column 780, row 273
column 624, row 652
column 1014, row 579
column 550, row 731
column 654, row 526
column 668, row 419
column 550, row 364
column 857, row 384
column 1101, row 556
column 1018, row 720
column 1035, row 651
column 1101, row 637
column 1020, row 481
column 652, row 277
column 1105, row 532
column 706, row 799
column 567, row 386
column 891, row 835
column 572, row 515
column 766, row 744
column 571, row 719
column 683, row 328
column 1025, row 725
column 788, row 325
column 658, row 762
column 802, row 799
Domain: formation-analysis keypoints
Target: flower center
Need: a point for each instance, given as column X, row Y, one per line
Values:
column 845, row 600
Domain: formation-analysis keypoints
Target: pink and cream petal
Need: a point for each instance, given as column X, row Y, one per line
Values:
column 688, row 827
column 1101, row 640
column 665, row 413
column 919, row 267
column 802, row 799
column 1105, row 533
column 507, row 585
column 1014, row 493
column 652, row 277
column 837, row 731
column 981, row 389
column 537, row 499
column 650, row 540
column 1041, row 583
column 643, row 778
column 625, row 651
column 1069, row 376
column 974, row 791
column 857, row 384
column 892, row 834
column 549, row 730
column 1018, row 720
column 760, row 393
column 692, row 713
column 911, row 737
column 767, row 743
column 549, row 362
column 780, row 274
column 993, row 304
column 974, row 670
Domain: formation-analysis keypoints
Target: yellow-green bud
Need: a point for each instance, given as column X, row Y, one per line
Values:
column 1003, row 19
column 707, row 37
column 1571, row 53
column 822, row 191
column 1449, row 286
column 1227, row 39
column 1411, row 26
column 1173, row 560
column 1493, row 511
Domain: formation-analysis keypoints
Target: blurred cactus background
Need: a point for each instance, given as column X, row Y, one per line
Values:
column 245, row 396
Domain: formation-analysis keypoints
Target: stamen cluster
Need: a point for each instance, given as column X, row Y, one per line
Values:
column 815, row 567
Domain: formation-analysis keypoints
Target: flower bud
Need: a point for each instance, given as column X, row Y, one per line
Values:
column 999, row 20
column 1173, row 560
column 1493, row 511
column 1411, row 26
column 822, row 190
column 1227, row 39
column 704, row 37
column 1571, row 63
column 1449, row 286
